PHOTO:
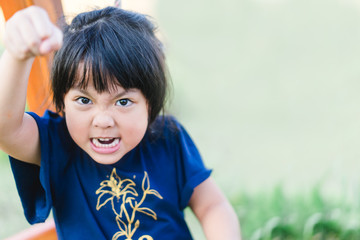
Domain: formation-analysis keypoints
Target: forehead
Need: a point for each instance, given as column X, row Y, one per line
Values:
column 101, row 80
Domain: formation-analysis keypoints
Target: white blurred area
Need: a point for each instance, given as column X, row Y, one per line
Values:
column 73, row 7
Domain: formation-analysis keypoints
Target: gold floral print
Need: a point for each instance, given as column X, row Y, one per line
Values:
column 124, row 190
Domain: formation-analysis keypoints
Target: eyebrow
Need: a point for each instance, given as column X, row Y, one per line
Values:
column 119, row 95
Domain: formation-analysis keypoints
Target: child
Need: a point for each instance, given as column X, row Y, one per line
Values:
column 108, row 166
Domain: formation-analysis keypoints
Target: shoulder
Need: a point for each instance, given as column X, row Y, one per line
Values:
column 49, row 118
column 166, row 126
column 167, row 130
column 51, row 126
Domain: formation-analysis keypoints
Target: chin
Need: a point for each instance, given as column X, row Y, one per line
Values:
column 106, row 159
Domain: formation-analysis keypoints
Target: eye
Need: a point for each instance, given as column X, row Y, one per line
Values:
column 124, row 102
column 83, row 100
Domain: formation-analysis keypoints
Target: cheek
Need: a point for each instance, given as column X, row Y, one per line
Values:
column 136, row 125
column 76, row 125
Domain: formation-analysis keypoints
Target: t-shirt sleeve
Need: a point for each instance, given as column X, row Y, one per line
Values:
column 32, row 181
column 191, row 168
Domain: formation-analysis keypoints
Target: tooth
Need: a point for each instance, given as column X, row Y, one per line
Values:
column 97, row 143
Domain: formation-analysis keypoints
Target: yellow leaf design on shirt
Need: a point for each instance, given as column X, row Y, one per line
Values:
column 123, row 189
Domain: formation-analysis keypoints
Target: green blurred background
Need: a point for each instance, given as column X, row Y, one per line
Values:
column 268, row 89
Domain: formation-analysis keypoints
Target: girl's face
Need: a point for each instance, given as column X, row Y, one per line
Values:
column 106, row 125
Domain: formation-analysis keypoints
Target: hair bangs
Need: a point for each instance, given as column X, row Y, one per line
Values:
column 95, row 72
column 110, row 60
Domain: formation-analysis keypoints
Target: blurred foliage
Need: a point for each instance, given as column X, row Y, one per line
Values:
column 275, row 215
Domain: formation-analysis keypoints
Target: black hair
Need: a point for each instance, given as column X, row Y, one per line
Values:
column 111, row 47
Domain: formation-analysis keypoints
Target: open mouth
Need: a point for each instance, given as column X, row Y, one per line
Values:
column 105, row 145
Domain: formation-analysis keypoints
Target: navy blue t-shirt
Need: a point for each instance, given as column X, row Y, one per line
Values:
column 142, row 196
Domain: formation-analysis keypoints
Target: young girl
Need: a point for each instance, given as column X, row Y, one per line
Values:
column 108, row 166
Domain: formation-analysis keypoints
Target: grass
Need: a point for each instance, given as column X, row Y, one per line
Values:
column 276, row 215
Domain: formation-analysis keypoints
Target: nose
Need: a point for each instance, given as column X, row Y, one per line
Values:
column 103, row 120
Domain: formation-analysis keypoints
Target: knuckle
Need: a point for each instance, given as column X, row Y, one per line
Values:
column 16, row 15
column 33, row 43
column 44, row 33
column 34, row 9
column 10, row 24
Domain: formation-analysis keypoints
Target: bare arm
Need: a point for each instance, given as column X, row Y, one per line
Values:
column 214, row 212
column 28, row 33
